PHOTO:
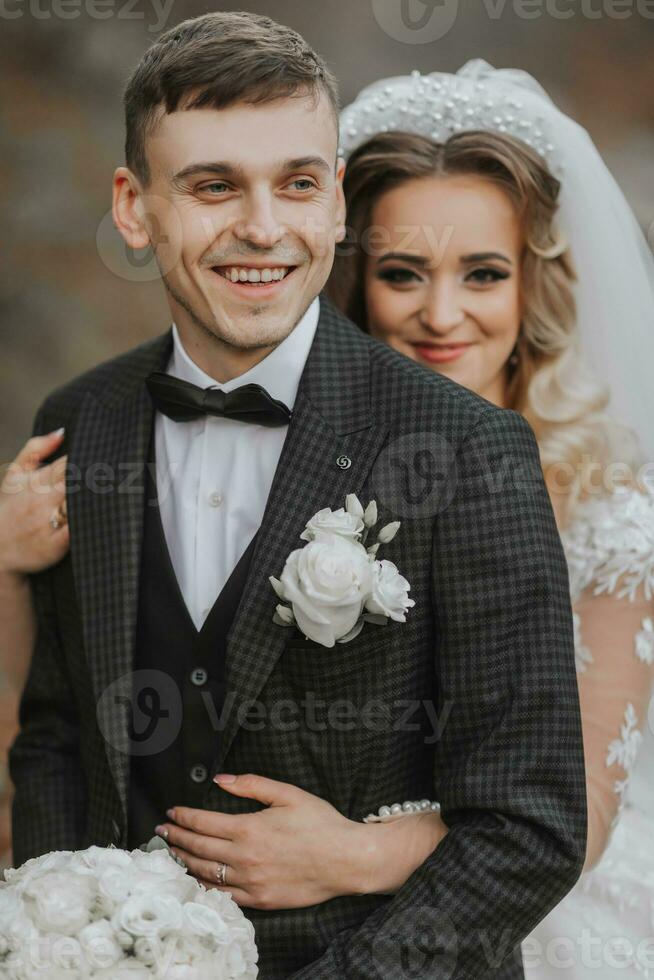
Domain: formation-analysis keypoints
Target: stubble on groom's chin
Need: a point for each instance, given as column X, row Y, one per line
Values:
column 216, row 333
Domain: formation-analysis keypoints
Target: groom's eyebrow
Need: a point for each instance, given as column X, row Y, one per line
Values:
column 222, row 168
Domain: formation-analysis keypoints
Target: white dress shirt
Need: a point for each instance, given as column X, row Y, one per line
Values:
column 214, row 474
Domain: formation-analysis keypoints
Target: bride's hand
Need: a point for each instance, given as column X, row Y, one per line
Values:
column 29, row 497
column 299, row 851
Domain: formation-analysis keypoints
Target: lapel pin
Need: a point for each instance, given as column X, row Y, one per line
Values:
column 344, row 462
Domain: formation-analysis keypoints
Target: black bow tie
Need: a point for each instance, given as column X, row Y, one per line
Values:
column 183, row 401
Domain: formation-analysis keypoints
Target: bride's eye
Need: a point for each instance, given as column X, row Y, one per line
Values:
column 399, row 276
column 486, row 275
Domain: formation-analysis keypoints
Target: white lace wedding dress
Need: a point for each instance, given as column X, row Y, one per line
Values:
column 604, row 928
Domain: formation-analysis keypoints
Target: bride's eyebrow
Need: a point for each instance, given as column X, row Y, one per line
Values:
column 485, row 257
column 404, row 257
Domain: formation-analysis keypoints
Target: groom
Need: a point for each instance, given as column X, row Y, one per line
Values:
column 156, row 633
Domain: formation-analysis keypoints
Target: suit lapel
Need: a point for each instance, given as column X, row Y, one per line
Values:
column 109, row 449
column 331, row 444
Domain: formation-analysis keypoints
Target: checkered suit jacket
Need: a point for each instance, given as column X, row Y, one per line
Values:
column 472, row 702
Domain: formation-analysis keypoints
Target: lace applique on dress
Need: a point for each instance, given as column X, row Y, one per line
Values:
column 645, row 642
column 623, row 751
column 611, row 538
column 583, row 656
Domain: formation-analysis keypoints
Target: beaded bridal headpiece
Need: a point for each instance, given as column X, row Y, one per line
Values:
column 438, row 105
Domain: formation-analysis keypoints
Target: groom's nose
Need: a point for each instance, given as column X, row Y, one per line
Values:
column 258, row 223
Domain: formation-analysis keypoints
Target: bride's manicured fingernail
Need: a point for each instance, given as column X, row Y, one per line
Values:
column 224, row 777
column 58, row 432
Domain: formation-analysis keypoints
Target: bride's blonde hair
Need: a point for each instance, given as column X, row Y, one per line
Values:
column 551, row 385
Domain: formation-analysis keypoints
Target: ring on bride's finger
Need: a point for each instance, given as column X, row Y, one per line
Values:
column 59, row 517
column 221, row 874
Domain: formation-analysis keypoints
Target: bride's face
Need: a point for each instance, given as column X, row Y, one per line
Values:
column 443, row 278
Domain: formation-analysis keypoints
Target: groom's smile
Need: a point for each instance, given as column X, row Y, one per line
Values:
column 243, row 211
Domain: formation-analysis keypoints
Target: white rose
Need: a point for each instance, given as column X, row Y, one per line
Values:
column 62, row 902
column 36, row 867
column 236, row 961
column 157, row 864
column 96, row 859
column 153, row 951
column 19, row 930
column 327, row 583
column 186, row 948
column 204, row 921
column 129, row 969
column 115, row 884
column 389, row 592
column 66, row 953
column 11, row 905
column 198, row 970
column 148, row 915
column 334, row 522
column 100, row 945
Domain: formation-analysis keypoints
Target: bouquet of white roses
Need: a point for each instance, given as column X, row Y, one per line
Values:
column 106, row 912
column 335, row 584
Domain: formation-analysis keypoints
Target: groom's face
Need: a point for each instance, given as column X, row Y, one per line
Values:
column 244, row 210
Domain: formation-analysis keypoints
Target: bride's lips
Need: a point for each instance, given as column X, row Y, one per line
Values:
column 441, row 353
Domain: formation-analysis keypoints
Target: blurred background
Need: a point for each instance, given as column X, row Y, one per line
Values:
column 70, row 297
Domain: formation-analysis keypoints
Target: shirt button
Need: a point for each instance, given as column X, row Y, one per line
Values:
column 199, row 676
column 215, row 498
column 199, row 773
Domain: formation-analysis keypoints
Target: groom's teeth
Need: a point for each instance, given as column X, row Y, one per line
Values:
column 235, row 274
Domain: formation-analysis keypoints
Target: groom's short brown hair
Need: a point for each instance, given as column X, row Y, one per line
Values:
column 214, row 61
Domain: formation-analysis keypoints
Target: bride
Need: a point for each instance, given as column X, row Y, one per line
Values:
column 473, row 206
column 485, row 201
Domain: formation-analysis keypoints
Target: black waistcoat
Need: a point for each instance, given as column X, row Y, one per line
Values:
column 179, row 681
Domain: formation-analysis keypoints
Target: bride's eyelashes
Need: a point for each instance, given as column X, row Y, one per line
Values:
column 482, row 276
column 399, row 276
column 486, row 275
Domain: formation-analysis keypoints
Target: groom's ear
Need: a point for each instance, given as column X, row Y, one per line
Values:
column 128, row 210
column 341, row 229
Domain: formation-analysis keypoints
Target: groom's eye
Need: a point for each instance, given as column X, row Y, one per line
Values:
column 302, row 184
column 215, row 187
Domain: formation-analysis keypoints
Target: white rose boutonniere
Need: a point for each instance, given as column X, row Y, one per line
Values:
column 334, row 584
